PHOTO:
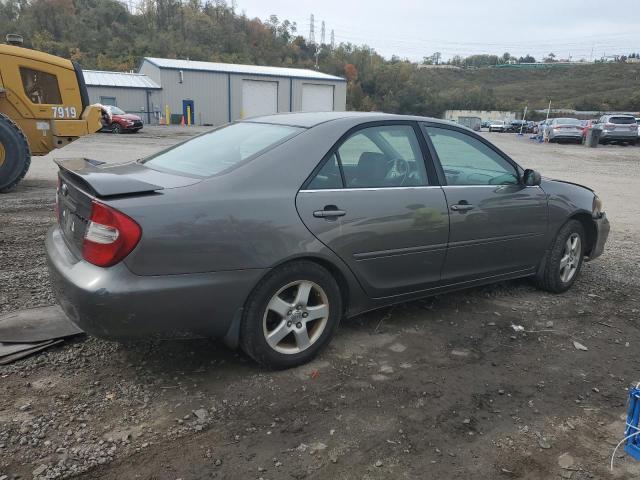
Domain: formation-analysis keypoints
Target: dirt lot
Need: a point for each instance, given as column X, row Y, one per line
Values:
column 438, row 388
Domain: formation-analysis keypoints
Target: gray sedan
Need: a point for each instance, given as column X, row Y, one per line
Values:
column 267, row 232
column 564, row 129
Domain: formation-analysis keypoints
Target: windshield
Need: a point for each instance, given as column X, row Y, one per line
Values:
column 221, row 149
column 567, row 121
column 116, row 110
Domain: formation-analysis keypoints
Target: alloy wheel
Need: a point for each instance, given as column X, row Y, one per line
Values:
column 571, row 256
column 296, row 317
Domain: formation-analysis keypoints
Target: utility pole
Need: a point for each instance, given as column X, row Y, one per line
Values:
column 312, row 27
column 322, row 39
column 333, row 40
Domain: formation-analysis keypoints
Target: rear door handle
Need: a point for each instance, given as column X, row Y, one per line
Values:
column 329, row 213
column 460, row 207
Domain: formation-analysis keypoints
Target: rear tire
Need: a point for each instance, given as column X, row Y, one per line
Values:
column 562, row 263
column 291, row 315
column 15, row 155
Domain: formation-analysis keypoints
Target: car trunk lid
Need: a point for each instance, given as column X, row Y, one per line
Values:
column 81, row 181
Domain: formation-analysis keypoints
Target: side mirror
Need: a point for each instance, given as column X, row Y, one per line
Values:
column 531, row 178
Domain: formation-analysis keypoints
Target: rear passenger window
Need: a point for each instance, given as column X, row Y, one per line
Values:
column 385, row 156
column 328, row 177
column 374, row 157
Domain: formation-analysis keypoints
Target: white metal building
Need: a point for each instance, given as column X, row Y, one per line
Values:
column 218, row 93
column 132, row 92
column 482, row 114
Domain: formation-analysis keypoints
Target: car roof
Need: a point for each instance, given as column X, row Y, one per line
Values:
column 311, row 119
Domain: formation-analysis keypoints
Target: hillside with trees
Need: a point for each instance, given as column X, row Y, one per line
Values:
column 104, row 35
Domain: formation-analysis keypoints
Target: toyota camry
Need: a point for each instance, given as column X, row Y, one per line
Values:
column 265, row 233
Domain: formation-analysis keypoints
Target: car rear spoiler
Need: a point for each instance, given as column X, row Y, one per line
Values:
column 104, row 180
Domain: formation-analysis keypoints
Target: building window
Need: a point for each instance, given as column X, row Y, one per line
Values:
column 40, row 87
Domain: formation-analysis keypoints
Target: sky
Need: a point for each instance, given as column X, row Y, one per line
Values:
column 413, row 30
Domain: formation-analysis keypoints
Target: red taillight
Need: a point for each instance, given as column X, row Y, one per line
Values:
column 610, row 126
column 110, row 236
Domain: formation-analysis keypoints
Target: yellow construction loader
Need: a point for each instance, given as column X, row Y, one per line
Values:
column 43, row 105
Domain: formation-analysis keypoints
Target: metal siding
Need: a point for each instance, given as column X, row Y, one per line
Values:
column 340, row 97
column 208, row 91
column 151, row 71
column 131, row 100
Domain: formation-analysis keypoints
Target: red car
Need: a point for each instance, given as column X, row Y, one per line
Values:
column 115, row 120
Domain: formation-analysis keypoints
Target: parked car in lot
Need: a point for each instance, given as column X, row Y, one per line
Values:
column 116, row 120
column 498, row 126
column 515, row 126
column 485, row 123
column 210, row 238
column 617, row 128
column 564, row 129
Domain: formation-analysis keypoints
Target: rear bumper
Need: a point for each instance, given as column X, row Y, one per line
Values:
column 602, row 233
column 619, row 136
column 566, row 135
column 115, row 303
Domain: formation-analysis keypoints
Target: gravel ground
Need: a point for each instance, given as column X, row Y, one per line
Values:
column 438, row 388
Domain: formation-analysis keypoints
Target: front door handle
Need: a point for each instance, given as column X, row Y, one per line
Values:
column 330, row 211
column 462, row 207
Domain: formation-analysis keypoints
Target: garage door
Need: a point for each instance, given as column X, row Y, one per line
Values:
column 317, row 98
column 259, row 98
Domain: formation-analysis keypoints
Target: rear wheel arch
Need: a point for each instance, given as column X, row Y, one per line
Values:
column 253, row 331
column 335, row 271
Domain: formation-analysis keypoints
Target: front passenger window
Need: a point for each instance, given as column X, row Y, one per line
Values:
column 468, row 161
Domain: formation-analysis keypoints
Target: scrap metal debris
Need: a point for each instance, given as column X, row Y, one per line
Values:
column 26, row 332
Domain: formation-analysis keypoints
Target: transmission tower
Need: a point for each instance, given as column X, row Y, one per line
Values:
column 333, row 40
column 312, row 33
column 322, row 39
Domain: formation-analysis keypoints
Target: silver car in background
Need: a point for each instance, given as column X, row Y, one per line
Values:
column 618, row 128
column 498, row 126
column 564, row 129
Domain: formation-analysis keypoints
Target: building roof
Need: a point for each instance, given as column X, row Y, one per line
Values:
column 95, row 78
column 242, row 69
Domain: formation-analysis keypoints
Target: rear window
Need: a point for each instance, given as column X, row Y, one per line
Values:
column 222, row 149
column 622, row 120
column 567, row 121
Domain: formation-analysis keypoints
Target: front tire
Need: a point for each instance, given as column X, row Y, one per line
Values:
column 563, row 262
column 291, row 315
column 116, row 129
column 15, row 155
